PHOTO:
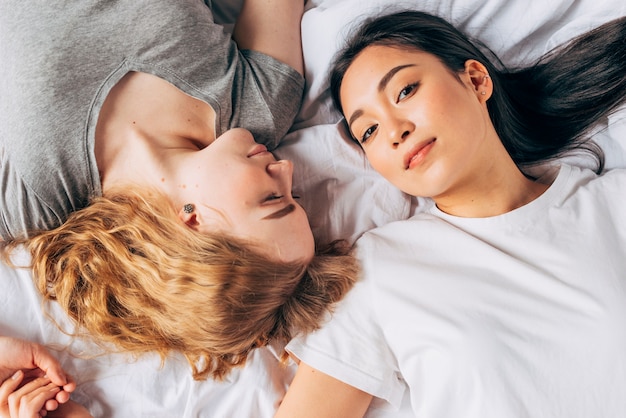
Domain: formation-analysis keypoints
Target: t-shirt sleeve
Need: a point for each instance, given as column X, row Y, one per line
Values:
column 350, row 347
column 267, row 97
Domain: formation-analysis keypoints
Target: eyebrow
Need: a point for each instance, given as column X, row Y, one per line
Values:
column 281, row 212
column 382, row 84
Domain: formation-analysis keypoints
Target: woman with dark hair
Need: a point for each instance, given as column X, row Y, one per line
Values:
column 506, row 297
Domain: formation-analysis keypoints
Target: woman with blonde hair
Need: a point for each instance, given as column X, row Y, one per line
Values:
column 135, row 169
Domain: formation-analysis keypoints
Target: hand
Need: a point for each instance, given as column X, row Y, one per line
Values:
column 35, row 361
column 27, row 400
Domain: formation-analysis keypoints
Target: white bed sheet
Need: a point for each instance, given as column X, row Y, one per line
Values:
column 342, row 194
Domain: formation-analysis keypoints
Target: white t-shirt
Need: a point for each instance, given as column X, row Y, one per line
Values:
column 517, row 315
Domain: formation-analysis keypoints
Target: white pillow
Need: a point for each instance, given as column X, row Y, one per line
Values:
column 519, row 31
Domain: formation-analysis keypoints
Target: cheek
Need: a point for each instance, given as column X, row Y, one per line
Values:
column 381, row 160
column 460, row 110
column 235, row 181
column 298, row 243
column 303, row 229
column 442, row 111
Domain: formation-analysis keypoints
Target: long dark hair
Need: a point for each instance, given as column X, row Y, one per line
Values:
column 540, row 112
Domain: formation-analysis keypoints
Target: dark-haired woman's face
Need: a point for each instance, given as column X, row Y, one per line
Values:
column 421, row 127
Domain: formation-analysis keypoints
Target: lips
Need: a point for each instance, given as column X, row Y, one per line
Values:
column 417, row 153
column 258, row 149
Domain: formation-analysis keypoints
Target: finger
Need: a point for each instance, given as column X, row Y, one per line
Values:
column 20, row 397
column 11, row 385
column 48, row 363
column 39, row 397
column 30, row 387
column 53, row 404
column 62, row 397
column 31, row 403
column 70, row 385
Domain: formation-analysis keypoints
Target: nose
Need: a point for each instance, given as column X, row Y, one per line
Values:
column 282, row 172
column 400, row 129
column 280, row 168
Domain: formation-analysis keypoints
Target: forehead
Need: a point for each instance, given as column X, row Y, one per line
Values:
column 376, row 66
column 385, row 56
column 285, row 235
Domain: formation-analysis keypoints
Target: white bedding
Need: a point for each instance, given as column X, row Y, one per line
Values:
column 343, row 196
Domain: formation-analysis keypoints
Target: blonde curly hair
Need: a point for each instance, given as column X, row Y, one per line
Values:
column 130, row 273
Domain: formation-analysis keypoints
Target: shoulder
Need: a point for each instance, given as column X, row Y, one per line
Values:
column 610, row 184
column 402, row 237
column 352, row 348
column 587, row 198
column 613, row 176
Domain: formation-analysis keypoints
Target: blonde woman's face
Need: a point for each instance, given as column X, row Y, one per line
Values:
column 238, row 187
column 420, row 127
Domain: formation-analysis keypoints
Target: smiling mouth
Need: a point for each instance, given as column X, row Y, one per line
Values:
column 417, row 154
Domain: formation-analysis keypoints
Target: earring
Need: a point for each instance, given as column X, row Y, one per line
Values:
column 483, row 92
column 188, row 208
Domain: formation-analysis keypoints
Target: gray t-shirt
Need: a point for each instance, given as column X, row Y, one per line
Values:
column 59, row 60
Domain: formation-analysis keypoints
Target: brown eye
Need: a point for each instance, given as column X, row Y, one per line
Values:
column 368, row 133
column 406, row 91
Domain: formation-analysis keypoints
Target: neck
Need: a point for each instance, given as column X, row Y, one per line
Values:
column 133, row 161
column 493, row 192
column 143, row 120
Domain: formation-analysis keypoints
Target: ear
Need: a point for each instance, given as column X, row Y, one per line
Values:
column 189, row 218
column 479, row 79
column 202, row 219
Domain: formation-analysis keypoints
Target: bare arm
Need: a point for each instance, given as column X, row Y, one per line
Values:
column 313, row 394
column 273, row 28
